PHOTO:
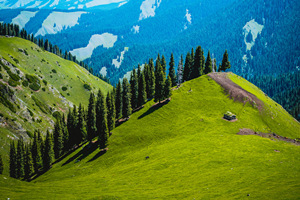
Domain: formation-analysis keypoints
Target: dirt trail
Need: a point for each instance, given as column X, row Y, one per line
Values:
column 235, row 91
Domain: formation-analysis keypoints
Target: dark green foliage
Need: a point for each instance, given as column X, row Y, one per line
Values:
column 168, row 88
column 64, row 88
column 56, row 115
column 6, row 94
column 25, row 83
column 87, row 87
column 142, row 95
column 48, row 154
column 80, row 130
column 208, row 64
column 159, row 85
column 12, row 83
column 36, row 153
column 198, row 63
column 172, row 73
column 163, row 64
column 54, row 71
column 12, row 160
column 150, row 80
column 45, row 82
column 31, row 78
column 20, row 159
column 58, row 139
column 134, row 89
column 91, row 119
column 111, row 111
column 35, row 86
column 225, row 62
column 65, row 134
column 28, row 166
column 34, row 81
column 126, row 99
column 187, row 67
column 71, row 124
column 1, row 165
column 13, row 76
column 1, row 77
column 101, row 119
column 43, row 107
column 30, row 112
column 118, row 100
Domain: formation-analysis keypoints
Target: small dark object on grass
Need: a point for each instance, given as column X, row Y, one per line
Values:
column 147, row 157
column 248, row 195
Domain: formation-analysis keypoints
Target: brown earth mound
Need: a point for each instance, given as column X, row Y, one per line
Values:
column 235, row 91
column 272, row 136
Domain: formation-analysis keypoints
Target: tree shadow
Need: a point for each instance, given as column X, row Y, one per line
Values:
column 100, row 153
column 154, row 108
column 83, row 153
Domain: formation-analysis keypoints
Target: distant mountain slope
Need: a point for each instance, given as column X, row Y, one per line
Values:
column 34, row 85
column 182, row 150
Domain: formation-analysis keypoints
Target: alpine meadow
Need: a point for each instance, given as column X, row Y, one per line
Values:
column 149, row 99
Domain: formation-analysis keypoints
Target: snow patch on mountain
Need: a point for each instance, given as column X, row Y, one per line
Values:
column 148, row 8
column 58, row 21
column 118, row 61
column 45, row 4
column 255, row 29
column 188, row 18
column 123, row 3
column 21, row 3
column 23, row 18
column 55, row 3
column 36, row 4
column 107, row 40
column 103, row 71
column 94, row 3
column 135, row 29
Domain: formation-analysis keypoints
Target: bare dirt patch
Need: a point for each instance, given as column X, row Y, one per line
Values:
column 272, row 136
column 235, row 91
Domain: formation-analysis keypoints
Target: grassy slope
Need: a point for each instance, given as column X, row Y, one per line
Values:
column 193, row 152
column 68, row 74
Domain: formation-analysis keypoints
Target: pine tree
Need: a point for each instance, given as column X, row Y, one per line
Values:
column 12, row 161
column 180, row 71
column 41, row 142
column 58, row 139
column 111, row 111
column 101, row 119
column 134, row 89
column 1, row 165
column 163, row 64
column 48, row 152
column 118, row 100
column 91, row 119
column 36, row 153
column 71, row 128
column 172, row 73
column 159, row 86
column 126, row 99
column 28, row 168
column 151, row 79
column 208, row 64
column 20, row 158
column 157, row 63
column 168, row 87
column 225, row 62
column 80, row 125
column 142, row 95
column 187, row 67
column 198, row 63
column 65, row 134
column 192, row 57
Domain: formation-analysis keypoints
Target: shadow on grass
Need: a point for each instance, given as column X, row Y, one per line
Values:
column 83, row 153
column 154, row 108
column 100, row 153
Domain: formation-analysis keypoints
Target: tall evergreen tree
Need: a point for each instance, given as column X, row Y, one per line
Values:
column 36, row 153
column 192, row 57
column 1, row 165
column 159, row 86
column 80, row 125
column 172, row 73
column 225, row 62
column 142, row 95
column 187, row 67
column 163, row 64
column 151, row 79
column 48, row 153
column 208, row 64
column 65, row 134
column 20, row 158
column 126, row 99
column 58, row 139
column 118, row 100
column 198, row 63
column 111, row 111
column 157, row 63
column 91, row 119
column 41, row 141
column 28, row 168
column 168, row 87
column 134, row 89
column 180, row 71
column 12, row 161
column 71, row 127
column 101, row 119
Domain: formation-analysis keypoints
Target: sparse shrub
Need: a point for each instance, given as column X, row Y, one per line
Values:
column 43, row 107
column 50, row 76
column 1, row 77
column 29, row 133
column 43, row 60
column 30, row 112
column 16, row 60
column 54, row 71
column 56, row 115
column 68, row 94
column 12, row 83
column 15, row 77
column 5, row 94
column 14, row 119
column 31, row 78
column 87, row 86
column 1, row 115
column 34, row 86
column 64, row 88
column 45, row 82
column 44, row 89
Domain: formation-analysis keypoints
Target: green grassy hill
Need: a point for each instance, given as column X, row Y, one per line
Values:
column 56, row 85
column 193, row 153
